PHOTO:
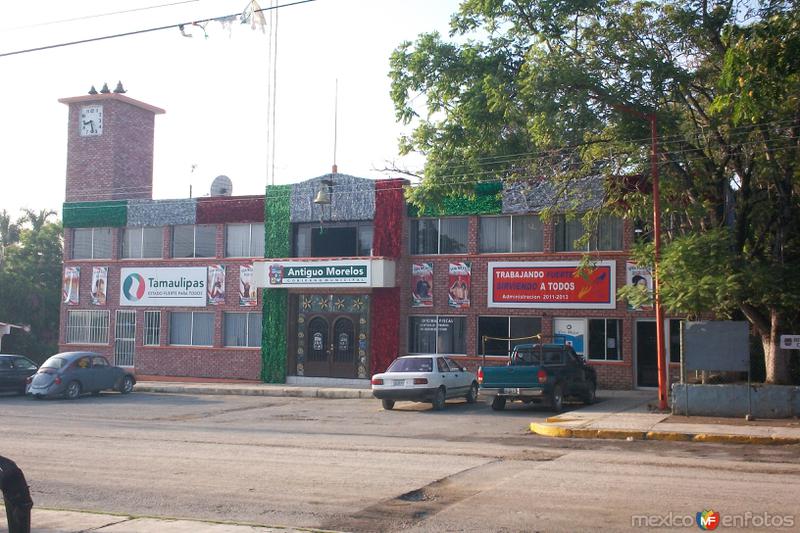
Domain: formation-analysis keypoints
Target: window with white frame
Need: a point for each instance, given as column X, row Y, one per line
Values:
column 194, row 241
column 243, row 329
column 87, row 327
column 152, row 328
column 497, row 335
column 439, row 236
column 437, row 334
column 244, row 240
column 91, row 243
column 511, row 234
column 607, row 235
column 138, row 243
column 604, row 339
column 191, row 328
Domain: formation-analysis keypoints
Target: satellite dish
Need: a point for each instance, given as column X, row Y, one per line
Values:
column 221, row 186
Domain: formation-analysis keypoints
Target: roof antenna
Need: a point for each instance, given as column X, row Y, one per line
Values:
column 335, row 169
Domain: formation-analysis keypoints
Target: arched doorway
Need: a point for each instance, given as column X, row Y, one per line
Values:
column 331, row 347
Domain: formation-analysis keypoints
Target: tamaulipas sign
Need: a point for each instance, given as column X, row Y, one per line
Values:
column 163, row 287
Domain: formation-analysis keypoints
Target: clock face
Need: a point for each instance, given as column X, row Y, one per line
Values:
column 90, row 122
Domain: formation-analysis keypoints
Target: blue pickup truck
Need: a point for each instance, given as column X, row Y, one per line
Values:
column 542, row 373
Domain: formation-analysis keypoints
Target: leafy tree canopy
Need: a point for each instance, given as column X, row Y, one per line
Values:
column 30, row 285
column 563, row 88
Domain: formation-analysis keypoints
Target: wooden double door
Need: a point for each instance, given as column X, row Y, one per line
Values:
column 332, row 346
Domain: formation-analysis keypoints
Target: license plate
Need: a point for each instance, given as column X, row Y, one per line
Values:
column 398, row 382
column 511, row 391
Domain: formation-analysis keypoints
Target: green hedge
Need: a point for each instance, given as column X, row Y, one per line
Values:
column 487, row 200
column 273, row 339
column 277, row 222
column 95, row 214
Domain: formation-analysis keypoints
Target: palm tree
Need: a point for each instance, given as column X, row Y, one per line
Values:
column 9, row 233
column 37, row 220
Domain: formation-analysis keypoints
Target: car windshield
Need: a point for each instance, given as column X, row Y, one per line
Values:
column 412, row 364
column 55, row 362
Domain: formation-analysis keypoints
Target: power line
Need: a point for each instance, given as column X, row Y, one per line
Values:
column 98, row 15
column 147, row 30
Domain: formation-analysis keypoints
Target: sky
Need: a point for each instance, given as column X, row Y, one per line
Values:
column 213, row 88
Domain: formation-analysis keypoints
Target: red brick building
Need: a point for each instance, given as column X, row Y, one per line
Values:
column 353, row 277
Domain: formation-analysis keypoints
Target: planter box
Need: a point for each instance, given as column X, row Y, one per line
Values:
column 762, row 401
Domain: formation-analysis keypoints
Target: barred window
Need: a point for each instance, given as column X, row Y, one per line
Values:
column 87, row 327
column 142, row 243
column 191, row 329
column 152, row 328
column 244, row 240
column 91, row 243
column 194, row 241
column 243, row 329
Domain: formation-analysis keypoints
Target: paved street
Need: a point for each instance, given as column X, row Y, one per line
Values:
column 349, row 465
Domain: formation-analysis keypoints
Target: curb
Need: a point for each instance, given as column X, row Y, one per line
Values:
column 671, row 436
column 333, row 394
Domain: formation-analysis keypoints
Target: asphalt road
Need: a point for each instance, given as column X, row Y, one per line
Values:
column 349, row 465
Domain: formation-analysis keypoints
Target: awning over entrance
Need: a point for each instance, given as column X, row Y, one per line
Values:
column 291, row 273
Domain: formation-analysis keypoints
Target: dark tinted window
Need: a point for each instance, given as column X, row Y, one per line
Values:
column 25, row 364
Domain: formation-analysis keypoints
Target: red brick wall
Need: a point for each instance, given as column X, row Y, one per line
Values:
column 611, row 375
column 195, row 361
column 115, row 165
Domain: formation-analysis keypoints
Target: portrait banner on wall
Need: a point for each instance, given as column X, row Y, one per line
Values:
column 641, row 277
column 248, row 294
column 70, row 293
column 459, row 284
column 422, row 285
column 99, row 285
column 216, row 284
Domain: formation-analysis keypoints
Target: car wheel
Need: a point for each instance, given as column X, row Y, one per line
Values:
column 472, row 396
column 591, row 395
column 127, row 385
column 73, row 390
column 387, row 404
column 499, row 403
column 557, row 398
column 438, row 400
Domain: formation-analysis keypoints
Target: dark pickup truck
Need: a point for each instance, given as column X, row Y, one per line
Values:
column 545, row 373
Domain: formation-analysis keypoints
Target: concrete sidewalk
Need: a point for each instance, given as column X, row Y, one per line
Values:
column 629, row 415
column 67, row 521
column 254, row 389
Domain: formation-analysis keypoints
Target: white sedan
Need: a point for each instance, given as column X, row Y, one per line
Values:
column 424, row 378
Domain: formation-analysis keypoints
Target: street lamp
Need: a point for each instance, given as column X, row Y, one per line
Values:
column 660, row 351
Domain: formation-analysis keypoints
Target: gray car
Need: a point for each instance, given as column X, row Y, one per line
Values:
column 70, row 374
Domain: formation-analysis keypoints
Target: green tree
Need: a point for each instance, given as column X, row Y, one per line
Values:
column 9, row 233
column 557, row 89
column 30, row 287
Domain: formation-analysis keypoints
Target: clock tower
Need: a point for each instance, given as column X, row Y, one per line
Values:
column 109, row 147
